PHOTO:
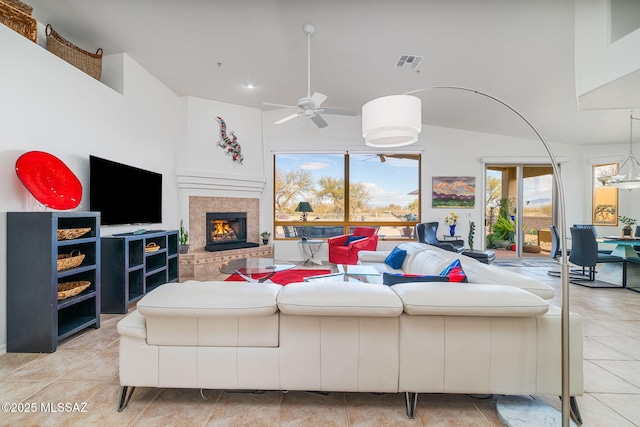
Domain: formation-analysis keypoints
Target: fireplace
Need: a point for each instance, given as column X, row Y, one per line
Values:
column 227, row 230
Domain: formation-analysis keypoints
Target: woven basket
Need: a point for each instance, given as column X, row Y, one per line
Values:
column 72, row 233
column 18, row 21
column 72, row 260
column 17, row 4
column 71, row 289
column 90, row 63
column 151, row 247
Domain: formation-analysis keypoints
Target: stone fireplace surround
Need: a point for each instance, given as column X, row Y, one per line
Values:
column 198, row 263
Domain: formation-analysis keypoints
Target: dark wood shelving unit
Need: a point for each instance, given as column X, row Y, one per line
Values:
column 132, row 270
column 36, row 320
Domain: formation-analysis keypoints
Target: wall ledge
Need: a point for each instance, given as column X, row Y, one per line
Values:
column 190, row 179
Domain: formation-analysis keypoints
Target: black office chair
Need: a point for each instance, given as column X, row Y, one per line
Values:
column 584, row 253
column 427, row 233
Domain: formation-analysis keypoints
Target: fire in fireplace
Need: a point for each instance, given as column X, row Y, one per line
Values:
column 227, row 230
column 222, row 231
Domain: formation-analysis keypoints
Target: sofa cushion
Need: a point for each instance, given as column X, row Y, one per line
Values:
column 210, row 299
column 133, row 325
column 454, row 272
column 391, row 279
column 339, row 299
column 395, row 258
column 442, row 299
column 478, row 272
column 431, row 261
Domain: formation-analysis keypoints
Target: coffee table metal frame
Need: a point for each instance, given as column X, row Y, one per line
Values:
column 346, row 273
column 254, row 266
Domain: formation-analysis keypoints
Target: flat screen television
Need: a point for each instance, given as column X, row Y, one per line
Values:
column 124, row 194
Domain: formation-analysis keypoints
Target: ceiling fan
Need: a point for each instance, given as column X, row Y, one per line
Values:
column 310, row 105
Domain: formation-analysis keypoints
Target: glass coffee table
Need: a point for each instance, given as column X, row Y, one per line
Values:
column 346, row 273
column 255, row 270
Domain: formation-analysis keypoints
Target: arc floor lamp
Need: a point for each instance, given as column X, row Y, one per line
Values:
column 396, row 120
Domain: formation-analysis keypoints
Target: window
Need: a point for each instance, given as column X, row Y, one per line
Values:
column 605, row 199
column 344, row 191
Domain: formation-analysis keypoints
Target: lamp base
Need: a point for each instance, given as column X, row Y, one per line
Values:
column 523, row 411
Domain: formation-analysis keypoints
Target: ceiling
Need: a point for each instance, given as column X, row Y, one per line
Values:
column 519, row 51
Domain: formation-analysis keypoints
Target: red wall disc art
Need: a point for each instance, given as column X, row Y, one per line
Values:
column 49, row 180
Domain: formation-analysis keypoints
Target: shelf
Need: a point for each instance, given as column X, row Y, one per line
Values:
column 86, row 294
column 36, row 319
column 133, row 272
column 78, row 270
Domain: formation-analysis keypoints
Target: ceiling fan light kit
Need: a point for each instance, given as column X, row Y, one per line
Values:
column 310, row 105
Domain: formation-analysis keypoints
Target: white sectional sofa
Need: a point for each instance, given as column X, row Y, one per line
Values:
column 427, row 259
column 476, row 338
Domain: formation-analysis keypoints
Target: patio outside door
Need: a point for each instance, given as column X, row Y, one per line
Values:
column 519, row 209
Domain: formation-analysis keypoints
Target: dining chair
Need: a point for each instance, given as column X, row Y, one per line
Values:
column 556, row 252
column 584, row 253
column 595, row 233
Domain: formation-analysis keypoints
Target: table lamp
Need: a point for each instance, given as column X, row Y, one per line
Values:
column 304, row 207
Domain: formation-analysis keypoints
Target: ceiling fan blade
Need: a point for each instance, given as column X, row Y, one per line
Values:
column 340, row 111
column 318, row 98
column 319, row 121
column 279, row 105
column 286, row 119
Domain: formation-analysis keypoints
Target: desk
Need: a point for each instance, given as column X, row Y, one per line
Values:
column 624, row 245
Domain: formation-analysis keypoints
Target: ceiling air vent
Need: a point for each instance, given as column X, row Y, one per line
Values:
column 410, row 62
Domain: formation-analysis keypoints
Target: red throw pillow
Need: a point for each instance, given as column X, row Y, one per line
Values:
column 454, row 272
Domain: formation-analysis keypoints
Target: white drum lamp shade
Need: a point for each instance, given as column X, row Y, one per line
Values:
column 392, row 121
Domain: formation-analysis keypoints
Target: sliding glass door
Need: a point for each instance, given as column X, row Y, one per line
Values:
column 519, row 209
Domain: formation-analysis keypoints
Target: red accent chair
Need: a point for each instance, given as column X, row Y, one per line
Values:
column 339, row 253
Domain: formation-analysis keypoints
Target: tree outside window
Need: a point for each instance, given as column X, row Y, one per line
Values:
column 382, row 190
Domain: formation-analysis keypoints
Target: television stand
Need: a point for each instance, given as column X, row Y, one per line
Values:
column 138, row 263
column 139, row 232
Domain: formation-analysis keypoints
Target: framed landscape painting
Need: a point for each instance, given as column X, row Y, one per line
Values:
column 453, row 192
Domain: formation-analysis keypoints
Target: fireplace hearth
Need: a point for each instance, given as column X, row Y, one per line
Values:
column 226, row 230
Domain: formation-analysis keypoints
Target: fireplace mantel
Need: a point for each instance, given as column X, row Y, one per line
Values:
column 210, row 181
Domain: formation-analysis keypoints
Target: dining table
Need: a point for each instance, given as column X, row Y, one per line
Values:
column 625, row 245
column 626, row 249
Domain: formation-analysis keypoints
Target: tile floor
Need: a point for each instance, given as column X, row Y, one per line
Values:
column 85, row 369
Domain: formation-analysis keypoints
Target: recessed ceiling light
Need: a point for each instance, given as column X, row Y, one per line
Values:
column 250, row 86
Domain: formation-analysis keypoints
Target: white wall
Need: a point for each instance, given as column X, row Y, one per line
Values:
column 47, row 104
column 203, row 167
column 607, row 71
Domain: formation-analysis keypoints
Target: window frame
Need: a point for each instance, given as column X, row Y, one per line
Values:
column 346, row 224
column 596, row 184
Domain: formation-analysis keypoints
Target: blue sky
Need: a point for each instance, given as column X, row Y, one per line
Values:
column 387, row 182
column 534, row 188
